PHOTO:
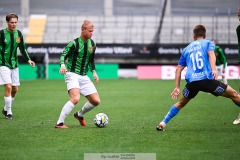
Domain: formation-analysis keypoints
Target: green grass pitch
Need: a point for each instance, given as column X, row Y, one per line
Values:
column 203, row 130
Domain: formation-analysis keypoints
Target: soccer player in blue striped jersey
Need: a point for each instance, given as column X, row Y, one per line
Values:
column 80, row 54
column 201, row 75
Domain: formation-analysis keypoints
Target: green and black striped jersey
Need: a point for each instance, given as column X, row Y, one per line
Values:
column 220, row 57
column 238, row 38
column 80, row 56
column 9, row 42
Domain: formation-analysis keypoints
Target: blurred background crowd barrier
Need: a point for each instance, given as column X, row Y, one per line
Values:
column 127, row 32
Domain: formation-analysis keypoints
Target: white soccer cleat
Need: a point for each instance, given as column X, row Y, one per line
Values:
column 161, row 126
column 237, row 120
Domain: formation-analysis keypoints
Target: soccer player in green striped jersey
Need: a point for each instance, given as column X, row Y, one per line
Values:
column 221, row 61
column 80, row 55
column 238, row 36
column 10, row 40
column 237, row 120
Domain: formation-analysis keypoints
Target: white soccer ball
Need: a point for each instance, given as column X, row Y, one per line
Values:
column 101, row 120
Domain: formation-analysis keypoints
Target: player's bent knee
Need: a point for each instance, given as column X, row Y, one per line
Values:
column 14, row 89
column 8, row 87
column 96, row 102
column 75, row 100
column 179, row 105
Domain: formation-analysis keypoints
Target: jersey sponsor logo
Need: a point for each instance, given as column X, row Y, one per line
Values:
column 18, row 40
column 219, row 90
column 200, row 74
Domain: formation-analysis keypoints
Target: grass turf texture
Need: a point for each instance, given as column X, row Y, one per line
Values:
column 202, row 130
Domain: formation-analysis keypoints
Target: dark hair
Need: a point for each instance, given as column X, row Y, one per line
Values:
column 214, row 40
column 199, row 31
column 10, row 16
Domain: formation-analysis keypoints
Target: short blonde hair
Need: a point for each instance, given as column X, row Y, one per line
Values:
column 87, row 23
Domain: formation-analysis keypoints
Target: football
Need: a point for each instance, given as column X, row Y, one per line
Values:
column 101, row 120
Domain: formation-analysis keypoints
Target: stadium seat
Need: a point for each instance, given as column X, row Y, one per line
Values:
column 36, row 29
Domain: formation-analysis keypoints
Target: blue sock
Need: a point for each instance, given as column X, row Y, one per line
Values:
column 172, row 112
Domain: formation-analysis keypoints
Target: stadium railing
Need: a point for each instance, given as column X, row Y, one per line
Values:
column 135, row 29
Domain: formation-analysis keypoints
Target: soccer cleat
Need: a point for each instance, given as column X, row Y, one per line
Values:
column 80, row 119
column 9, row 116
column 61, row 125
column 237, row 120
column 4, row 112
column 160, row 128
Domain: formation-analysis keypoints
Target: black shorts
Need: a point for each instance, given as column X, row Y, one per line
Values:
column 214, row 87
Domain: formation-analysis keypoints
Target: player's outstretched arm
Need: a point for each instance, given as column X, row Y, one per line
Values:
column 95, row 76
column 31, row 63
column 212, row 61
column 63, row 69
column 176, row 90
column 175, row 93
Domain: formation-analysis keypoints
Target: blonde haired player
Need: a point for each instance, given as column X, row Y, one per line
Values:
column 80, row 54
